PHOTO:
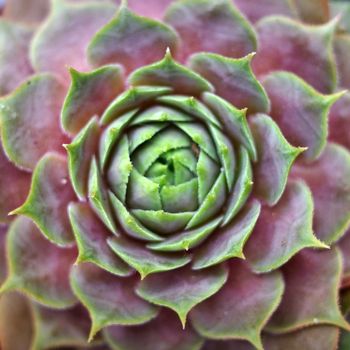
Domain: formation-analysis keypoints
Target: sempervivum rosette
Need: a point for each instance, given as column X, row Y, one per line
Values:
column 169, row 188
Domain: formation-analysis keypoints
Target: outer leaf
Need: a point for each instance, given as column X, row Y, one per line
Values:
column 305, row 50
column 37, row 267
column 48, row 199
column 344, row 246
column 91, row 237
column 113, row 303
column 90, row 94
column 14, row 186
column 235, row 312
column 300, row 111
column 23, row 11
column 14, row 57
column 233, row 80
column 60, row 328
column 339, row 119
column 182, row 290
column 328, row 179
column 26, row 121
column 15, row 322
column 169, row 73
column 283, row 230
column 310, row 297
column 3, row 267
column 111, row 44
column 151, row 8
column 229, row 241
column 313, row 11
column 218, row 28
column 341, row 51
column 80, row 152
column 255, row 10
column 275, row 158
column 162, row 333
column 143, row 260
column 310, row 338
column 68, row 26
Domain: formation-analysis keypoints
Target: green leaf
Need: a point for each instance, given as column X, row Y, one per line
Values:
column 235, row 312
column 180, row 198
column 182, row 290
column 229, row 241
column 143, row 260
column 80, row 152
column 113, row 303
column 37, row 267
column 212, row 204
column 91, row 238
column 26, row 121
column 275, row 158
column 283, row 230
column 242, row 187
column 300, row 111
column 112, row 42
column 132, row 98
column 48, row 199
column 98, row 197
column 188, row 239
column 233, row 80
column 89, row 95
column 169, row 73
column 129, row 224
column 233, row 120
column 161, row 221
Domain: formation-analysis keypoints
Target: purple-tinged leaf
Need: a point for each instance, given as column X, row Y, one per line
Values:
column 28, row 12
column 342, row 57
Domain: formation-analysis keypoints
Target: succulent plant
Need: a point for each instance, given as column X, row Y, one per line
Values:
column 175, row 175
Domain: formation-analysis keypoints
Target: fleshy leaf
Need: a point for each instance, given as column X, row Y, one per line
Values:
column 305, row 50
column 275, row 158
column 313, row 11
column 344, row 246
column 48, row 199
column 113, row 303
column 342, row 56
column 37, row 267
column 161, row 221
column 162, row 333
column 233, row 120
column 91, row 237
column 328, row 179
column 235, row 312
column 182, row 290
column 14, row 187
column 15, row 322
column 309, row 338
column 169, row 73
column 3, row 267
column 187, row 239
column 26, row 121
column 218, row 27
column 68, row 26
column 233, row 80
column 212, row 203
column 27, row 13
column 283, row 230
column 60, row 328
column 144, row 261
column 151, row 8
column 90, row 94
column 130, row 225
column 255, row 10
column 98, row 197
column 111, row 44
column 228, row 242
column 80, row 152
column 310, row 297
column 14, row 47
column 132, row 98
column 339, row 119
column 300, row 111
column 242, row 187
